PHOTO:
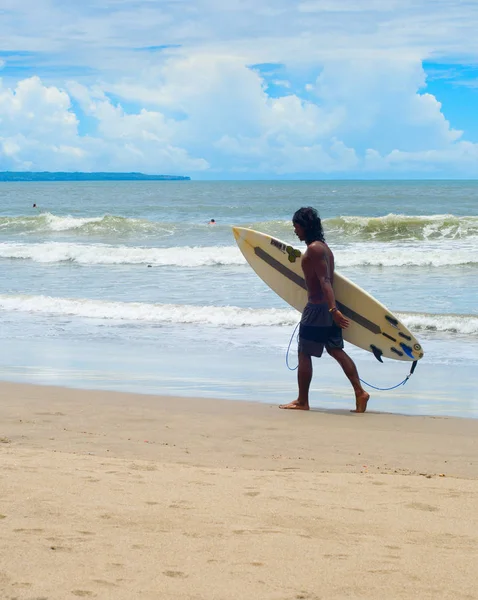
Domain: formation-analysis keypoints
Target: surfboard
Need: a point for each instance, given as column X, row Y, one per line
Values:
column 372, row 326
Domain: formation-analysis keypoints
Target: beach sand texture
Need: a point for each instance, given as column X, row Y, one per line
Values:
column 120, row 496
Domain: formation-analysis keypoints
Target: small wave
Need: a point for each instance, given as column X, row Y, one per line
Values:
column 223, row 316
column 407, row 255
column 104, row 254
column 459, row 324
column 357, row 255
column 387, row 228
column 403, row 227
column 104, row 225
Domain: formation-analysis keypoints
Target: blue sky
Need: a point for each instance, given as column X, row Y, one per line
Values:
column 241, row 89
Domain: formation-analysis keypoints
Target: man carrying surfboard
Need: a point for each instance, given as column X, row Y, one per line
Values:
column 322, row 322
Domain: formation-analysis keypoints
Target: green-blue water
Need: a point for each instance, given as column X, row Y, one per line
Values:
column 124, row 285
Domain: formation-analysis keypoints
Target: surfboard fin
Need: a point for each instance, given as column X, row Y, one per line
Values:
column 377, row 352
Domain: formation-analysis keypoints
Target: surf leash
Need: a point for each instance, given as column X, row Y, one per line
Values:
column 414, row 364
column 393, row 387
column 288, row 350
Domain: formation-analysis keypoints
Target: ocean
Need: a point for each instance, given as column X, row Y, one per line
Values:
column 125, row 286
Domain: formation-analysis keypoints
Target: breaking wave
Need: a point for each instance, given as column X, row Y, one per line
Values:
column 104, row 254
column 220, row 316
column 353, row 255
column 391, row 227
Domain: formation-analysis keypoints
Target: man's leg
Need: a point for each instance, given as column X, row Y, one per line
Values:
column 349, row 368
column 304, row 377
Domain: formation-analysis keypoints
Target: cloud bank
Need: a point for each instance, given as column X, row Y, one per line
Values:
column 284, row 89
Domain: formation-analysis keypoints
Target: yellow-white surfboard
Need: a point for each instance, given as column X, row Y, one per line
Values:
column 372, row 326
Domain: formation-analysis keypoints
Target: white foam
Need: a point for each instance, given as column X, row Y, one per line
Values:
column 399, row 226
column 55, row 223
column 104, row 224
column 432, row 254
column 224, row 316
column 359, row 254
column 97, row 254
column 459, row 324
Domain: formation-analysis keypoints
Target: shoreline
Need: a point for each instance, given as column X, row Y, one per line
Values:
column 453, row 438
column 116, row 496
column 433, row 390
column 345, row 410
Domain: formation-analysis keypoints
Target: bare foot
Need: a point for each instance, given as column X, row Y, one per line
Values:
column 294, row 406
column 361, row 402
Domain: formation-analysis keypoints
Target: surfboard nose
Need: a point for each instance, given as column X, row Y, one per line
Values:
column 237, row 232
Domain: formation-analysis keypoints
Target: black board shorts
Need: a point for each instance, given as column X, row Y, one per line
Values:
column 317, row 330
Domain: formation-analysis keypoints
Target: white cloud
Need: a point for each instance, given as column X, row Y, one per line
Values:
column 461, row 157
column 228, row 123
column 107, row 38
column 20, row 109
column 197, row 106
column 383, row 102
column 39, row 131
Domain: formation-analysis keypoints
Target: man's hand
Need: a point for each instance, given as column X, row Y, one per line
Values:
column 339, row 319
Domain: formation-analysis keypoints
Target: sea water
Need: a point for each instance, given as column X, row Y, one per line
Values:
column 125, row 286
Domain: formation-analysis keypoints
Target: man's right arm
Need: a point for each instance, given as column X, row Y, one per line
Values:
column 320, row 260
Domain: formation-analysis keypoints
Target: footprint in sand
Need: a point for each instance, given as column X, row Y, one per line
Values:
column 174, row 574
column 105, row 583
column 136, row 467
column 424, row 507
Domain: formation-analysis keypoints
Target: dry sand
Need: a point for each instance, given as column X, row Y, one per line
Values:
column 121, row 496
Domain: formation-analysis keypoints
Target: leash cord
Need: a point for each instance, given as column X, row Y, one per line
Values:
column 387, row 388
column 288, row 349
column 393, row 387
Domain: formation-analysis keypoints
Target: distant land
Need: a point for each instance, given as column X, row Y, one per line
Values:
column 80, row 176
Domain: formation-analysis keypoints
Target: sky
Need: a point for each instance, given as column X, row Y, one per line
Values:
column 241, row 89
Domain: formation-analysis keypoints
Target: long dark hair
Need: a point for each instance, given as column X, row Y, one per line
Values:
column 308, row 218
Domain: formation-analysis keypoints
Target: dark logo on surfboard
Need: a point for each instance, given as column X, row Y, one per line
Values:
column 279, row 245
column 292, row 253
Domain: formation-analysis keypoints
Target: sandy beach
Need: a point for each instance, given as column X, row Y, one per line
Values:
column 120, row 496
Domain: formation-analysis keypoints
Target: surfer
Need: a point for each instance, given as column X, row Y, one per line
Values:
column 212, row 222
column 322, row 322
